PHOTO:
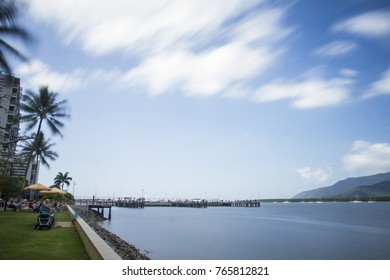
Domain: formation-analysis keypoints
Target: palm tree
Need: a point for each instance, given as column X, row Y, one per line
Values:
column 40, row 149
column 62, row 179
column 43, row 106
column 9, row 12
column 40, row 107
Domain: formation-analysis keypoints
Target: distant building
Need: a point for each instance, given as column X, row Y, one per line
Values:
column 10, row 97
column 10, row 94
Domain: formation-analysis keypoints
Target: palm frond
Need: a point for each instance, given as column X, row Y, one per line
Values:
column 46, row 108
column 9, row 12
column 40, row 148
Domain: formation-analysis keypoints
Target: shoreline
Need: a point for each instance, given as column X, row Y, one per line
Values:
column 125, row 250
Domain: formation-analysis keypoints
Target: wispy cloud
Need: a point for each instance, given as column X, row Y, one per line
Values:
column 348, row 72
column 317, row 175
column 371, row 24
column 368, row 157
column 204, row 74
column 197, row 47
column 137, row 26
column 379, row 87
column 309, row 93
column 38, row 73
column 183, row 47
column 246, row 51
column 335, row 48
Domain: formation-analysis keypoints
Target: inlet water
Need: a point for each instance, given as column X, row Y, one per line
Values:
column 275, row 231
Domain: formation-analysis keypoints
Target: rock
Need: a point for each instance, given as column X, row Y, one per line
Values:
column 125, row 250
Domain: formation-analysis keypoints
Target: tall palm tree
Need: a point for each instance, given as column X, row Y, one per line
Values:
column 42, row 107
column 9, row 12
column 40, row 149
column 62, row 179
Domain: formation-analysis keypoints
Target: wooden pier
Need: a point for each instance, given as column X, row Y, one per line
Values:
column 188, row 204
column 245, row 203
column 98, row 205
column 129, row 203
column 123, row 202
column 191, row 204
column 204, row 203
column 99, row 209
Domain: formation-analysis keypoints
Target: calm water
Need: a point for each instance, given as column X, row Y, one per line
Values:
column 283, row 231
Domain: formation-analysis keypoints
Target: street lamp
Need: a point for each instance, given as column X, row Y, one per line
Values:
column 74, row 185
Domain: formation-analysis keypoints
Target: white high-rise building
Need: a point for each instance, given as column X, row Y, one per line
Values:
column 10, row 96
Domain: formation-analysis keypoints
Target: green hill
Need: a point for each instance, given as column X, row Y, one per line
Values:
column 367, row 186
column 377, row 190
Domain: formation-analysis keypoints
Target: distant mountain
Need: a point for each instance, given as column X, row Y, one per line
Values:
column 377, row 190
column 351, row 187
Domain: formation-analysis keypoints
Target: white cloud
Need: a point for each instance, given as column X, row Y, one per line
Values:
column 204, row 74
column 380, row 87
column 347, row 72
column 198, row 47
column 37, row 73
column 371, row 24
column 310, row 93
column 249, row 30
column 335, row 48
column 368, row 157
column 134, row 25
column 318, row 175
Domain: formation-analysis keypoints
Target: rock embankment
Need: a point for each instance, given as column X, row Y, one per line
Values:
column 125, row 250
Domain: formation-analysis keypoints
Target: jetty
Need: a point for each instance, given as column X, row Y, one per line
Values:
column 245, row 203
column 99, row 204
column 129, row 203
column 99, row 209
column 179, row 203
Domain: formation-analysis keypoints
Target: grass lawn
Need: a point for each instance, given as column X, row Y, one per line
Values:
column 63, row 216
column 19, row 240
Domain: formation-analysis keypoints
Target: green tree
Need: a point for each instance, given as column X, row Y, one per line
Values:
column 43, row 107
column 62, row 179
column 10, row 186
column 39, row 149
column 9, row 13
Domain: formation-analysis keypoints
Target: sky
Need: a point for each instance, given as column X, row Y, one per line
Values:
column 229, row 99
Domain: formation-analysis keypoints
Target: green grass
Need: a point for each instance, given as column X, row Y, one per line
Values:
column 19, row 240
column 63, row 216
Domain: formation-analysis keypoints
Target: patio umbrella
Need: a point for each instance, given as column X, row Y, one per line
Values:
column 52, row 191
column 37, row 187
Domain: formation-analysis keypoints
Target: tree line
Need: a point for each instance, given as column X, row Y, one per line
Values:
column 42, row 111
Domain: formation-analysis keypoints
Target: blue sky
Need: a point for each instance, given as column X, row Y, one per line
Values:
column 217, row 99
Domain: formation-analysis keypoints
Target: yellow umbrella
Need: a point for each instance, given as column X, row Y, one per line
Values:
column 37, row 187
column 52, row 191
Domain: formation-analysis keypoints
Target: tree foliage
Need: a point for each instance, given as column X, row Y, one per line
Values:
column 9, row 13
column 43, row 106
column 62, row 179
column 40, row 149
column 10, row 186
column 38, row 108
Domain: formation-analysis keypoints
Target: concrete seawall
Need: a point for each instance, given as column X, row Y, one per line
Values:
column 96, row 247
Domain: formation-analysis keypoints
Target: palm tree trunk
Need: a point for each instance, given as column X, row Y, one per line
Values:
column 30, row 157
